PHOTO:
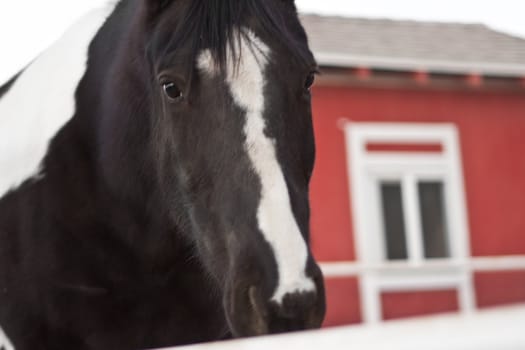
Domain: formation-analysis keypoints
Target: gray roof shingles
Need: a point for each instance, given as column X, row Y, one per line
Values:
column 401, row 44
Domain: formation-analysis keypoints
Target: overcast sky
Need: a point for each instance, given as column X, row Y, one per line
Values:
column 28, row 27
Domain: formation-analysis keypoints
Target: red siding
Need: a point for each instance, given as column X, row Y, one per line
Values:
column 492, row 135
column 332, row 238
column 400, row 147
column 409, row 304
column 499, row 288
column 343, row 306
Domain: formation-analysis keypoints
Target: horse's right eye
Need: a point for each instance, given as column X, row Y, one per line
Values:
column 172, row 91
column 309, row 81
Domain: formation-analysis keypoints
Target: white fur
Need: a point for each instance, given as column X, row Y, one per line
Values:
column 39, row 104
column 4, row 342
column 275, row 217
column 42, row 101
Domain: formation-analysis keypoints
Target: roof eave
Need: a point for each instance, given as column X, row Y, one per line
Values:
column 414, row 64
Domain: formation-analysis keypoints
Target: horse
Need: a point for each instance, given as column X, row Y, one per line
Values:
column 154, row 191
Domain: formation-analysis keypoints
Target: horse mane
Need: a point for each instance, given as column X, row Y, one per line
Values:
column 215, row 24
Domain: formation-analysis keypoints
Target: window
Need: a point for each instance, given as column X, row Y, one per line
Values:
column 408, row 210
column 394, row 222
column 433, row 219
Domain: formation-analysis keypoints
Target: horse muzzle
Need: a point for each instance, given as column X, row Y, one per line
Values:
column 251, row 312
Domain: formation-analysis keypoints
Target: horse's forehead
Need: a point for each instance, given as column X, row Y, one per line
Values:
column 244, row 59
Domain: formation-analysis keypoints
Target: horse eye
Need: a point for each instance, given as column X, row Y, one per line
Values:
column 309, row 81
column 172, row 91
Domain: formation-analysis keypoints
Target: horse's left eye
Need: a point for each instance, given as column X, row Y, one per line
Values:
column 309, row 81
column 172, row 91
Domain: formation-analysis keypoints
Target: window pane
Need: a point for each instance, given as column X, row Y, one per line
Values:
column 394, row 221
column 433, row 220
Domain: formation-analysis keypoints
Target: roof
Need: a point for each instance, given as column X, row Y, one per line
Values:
column 453, row 48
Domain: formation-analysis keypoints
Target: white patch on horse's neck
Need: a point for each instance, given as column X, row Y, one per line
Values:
column 42, row 101
column 277, row 223
column 4, row 341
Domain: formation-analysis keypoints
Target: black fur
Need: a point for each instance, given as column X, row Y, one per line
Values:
column 212, row 25
column 5, row 88
column 142, row 231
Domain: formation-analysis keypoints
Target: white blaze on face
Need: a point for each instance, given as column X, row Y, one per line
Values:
column 4, row 342
column 275, row 217
column 42, row 100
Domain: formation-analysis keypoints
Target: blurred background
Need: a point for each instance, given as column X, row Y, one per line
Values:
column 28, row 27
column 418, row 195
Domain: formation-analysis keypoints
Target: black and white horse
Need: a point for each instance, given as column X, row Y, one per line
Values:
column 154, row 174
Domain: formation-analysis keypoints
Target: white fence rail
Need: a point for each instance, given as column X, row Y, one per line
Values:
column 498, row 329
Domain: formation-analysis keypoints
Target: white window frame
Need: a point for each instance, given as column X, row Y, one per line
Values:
column 366, row 170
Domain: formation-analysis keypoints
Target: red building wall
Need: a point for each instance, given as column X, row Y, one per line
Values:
column 498, row 288
column 492, row 136
column 418, row 303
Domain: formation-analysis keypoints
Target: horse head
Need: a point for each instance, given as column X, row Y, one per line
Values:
column 230, row 111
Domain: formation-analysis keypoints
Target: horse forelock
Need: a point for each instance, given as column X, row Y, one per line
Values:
column 216, row 27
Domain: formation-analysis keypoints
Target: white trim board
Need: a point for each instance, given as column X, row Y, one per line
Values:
column 477, row 264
